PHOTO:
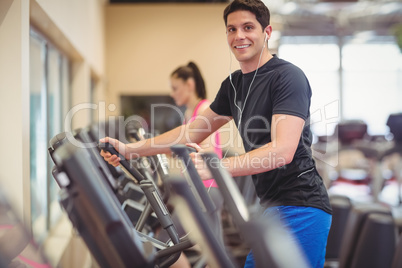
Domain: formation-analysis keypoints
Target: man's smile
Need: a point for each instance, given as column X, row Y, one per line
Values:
column 242, row 46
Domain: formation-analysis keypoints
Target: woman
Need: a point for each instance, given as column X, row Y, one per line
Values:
column 188, row 90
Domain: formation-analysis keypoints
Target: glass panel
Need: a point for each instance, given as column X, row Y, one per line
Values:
column 54, row 125
column 65, row 88
column 50, row 99
column 371, row 78
column 38, row 137
column 372, row 83
column 318, row 57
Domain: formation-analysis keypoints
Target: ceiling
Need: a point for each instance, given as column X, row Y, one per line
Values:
column 337, row 18
column 169, row 1
column 322, row 17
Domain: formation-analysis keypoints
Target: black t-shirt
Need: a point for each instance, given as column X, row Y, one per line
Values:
column 278, row 88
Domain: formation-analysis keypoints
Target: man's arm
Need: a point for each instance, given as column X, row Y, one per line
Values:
column 285, row 135
column 195, row 132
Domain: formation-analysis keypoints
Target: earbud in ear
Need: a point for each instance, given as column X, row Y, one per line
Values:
column 266, row 37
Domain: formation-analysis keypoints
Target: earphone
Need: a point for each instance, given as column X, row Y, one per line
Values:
column 265, row 40
column 252, row 81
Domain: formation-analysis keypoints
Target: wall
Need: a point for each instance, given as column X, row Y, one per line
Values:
column 76, row 27
column 14, row 108
column 81, row 39
column 81, row 23
column 146, row 42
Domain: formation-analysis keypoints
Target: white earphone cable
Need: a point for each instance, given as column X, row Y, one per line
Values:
column 249, row 88
column 248, row 92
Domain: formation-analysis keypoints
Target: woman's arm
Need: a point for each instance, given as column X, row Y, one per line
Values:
column 209, row 144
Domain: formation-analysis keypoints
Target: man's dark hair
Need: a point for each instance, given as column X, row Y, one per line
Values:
column 257, row 7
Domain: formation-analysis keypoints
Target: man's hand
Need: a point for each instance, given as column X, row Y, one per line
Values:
column 199, row 163
column 114, row 160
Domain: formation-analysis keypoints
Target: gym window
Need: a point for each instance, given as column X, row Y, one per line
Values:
column 50, row 100
column 353, row 77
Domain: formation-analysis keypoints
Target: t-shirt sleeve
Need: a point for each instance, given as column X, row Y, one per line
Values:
column 293, row 94
column 221, row 104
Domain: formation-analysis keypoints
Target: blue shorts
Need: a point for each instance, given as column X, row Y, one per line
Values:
column 310, row 226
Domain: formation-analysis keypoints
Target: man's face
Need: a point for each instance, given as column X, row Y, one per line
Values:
column 245, row 36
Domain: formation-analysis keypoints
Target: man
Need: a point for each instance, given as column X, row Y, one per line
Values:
column 269, row 99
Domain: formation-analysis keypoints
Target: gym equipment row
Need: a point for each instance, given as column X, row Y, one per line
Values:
column 88, row 195
column 128, row 204
column 362, row 235
column 365, row 195
column 95, row 196
column 365, row 168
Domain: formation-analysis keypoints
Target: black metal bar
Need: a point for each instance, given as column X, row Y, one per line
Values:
column 182, row 152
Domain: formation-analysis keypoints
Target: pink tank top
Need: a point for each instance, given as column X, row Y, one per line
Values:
column 217, row 149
